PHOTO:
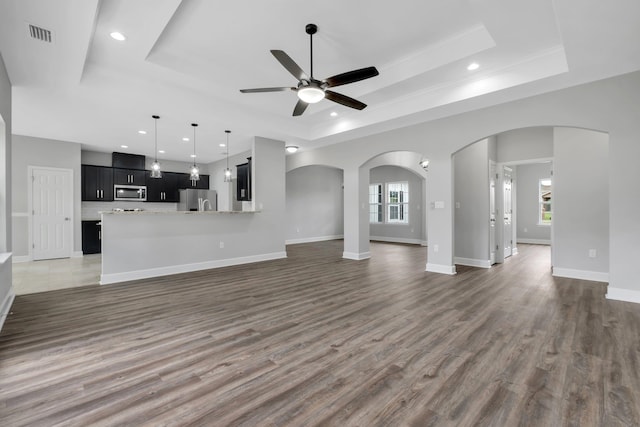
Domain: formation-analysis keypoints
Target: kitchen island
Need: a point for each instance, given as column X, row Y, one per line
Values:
column 143, row 244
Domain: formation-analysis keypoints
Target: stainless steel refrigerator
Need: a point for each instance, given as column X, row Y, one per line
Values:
column 193, row 199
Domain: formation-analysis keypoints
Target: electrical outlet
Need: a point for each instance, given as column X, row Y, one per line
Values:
column 592, row 253
column 457, row 205
column 436, row 248
column 297, row 229
column 221, row 245
column 525, row 229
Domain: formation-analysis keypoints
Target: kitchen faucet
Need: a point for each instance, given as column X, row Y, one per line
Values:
column 202, row 204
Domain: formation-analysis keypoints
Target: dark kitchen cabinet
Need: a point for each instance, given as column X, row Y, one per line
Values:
column 185, row 182
column 91, row 237
column 97, row 183
column 243, row 183
column 129, row 176
column 127, row 161
column 164, row 189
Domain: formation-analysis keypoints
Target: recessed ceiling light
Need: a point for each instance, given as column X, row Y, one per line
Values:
column 124, row 146
column 291, row 148
column 223, row 145
column 333, row 114
column 193, row 155
column 185, row 139
column 118, row 36
column 161, row 151
column 473, row 66
column 142, row 132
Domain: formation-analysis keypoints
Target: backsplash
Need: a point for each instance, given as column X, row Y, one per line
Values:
column 91, row 210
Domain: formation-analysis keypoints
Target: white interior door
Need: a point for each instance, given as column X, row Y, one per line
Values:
column 52, row 207
column 492, row 212
column 508, row 212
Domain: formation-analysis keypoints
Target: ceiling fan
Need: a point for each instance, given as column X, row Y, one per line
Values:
column 311, row 90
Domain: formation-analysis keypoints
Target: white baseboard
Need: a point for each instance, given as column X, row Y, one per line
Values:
column 77, row 254
column 534, row 241
column 21, row 258
column 398, row 240
column 514, row 251
column 356, row 256
column 595, row 276
column 313, row 239
column 5, row 308
column 482, row 263
column 620, row 294
column 441, row 268
column 106, row 279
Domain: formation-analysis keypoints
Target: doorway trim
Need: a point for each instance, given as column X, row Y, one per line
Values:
column 30, row 174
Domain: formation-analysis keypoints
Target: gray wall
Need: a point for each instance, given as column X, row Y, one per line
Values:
column 471, row 198
column 315, row 208
column 6, row 292
column 525, row 144
column 227, row 190
column 528, row 178
column 581, row 205
column 31, row 151
column 406, row 233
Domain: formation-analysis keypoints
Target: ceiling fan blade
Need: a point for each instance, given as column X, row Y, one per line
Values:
column 344, row 100
column 352, row 76
column 267, row 89
column 290, row 65
column 300, row 107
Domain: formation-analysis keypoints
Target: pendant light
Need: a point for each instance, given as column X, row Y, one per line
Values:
column 195, row 172
column 227, row 171
column 155, row 166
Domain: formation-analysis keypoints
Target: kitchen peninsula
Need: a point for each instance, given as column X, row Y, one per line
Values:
column 137, row 245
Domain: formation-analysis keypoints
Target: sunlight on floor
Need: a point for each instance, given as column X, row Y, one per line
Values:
column 48, row 275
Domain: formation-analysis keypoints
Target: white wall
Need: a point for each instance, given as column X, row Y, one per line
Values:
column 6, row 289
column 581, row 203
column 471, row 198
column 413, row 232
column 227, row 190
column 98, row 158
column 608, row 105
column 528, row 179
column 525, row 144
column 314, row 205
column 31, row 151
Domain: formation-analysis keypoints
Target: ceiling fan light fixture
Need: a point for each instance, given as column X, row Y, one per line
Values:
column 311, row 94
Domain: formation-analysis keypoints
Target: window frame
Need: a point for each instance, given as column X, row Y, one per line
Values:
column 388, row 202
column 542, row 203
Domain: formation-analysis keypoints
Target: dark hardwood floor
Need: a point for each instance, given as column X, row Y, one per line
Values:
column 318, row 340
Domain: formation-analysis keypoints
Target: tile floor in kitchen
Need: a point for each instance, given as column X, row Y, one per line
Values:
column 48, row 275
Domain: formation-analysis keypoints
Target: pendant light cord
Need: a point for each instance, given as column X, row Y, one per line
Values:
column 194, row 143
column 155, row 125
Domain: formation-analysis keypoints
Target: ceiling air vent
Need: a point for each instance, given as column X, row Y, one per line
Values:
column 39, row 33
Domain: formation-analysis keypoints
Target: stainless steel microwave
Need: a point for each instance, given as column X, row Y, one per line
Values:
column 130, row 192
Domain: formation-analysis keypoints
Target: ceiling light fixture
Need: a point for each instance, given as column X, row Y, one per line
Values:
column 194, row 172
column 333, row 114
column 185, row 139
column 223, row 145
column 473, row 66
column 291, row 148
column 142, row 132
column 161, row 151
column 124, row 146
column 311, row 94
column 227, row 171
column 155, row 166
column 116, row 35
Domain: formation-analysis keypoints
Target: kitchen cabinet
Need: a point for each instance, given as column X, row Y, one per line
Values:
column 127, row 161
column 129, row 176
column 97, row 183
column 91, row 237
column 243, row 182
column 164, row 189
column 185, row 182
